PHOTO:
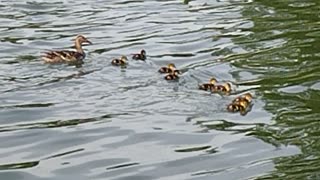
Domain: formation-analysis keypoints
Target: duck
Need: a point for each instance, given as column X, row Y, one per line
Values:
column 122, row 61
column 233, row 107
column 208, row 86
column 66, row 56
column 225, row 88
column 172, row 76
column 168, row 69
column 240, row 106
column 236, row 107
column 140, row 56
column 246, row 97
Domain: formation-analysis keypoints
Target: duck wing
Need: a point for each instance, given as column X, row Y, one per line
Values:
column 62, row 56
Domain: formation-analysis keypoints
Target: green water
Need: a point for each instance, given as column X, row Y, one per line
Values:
column 282, row 51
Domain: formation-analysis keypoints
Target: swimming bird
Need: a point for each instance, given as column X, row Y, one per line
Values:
column 246, row 97
column 208, row 86
column 65, row 56
column 172, row 76
column 140, row 56
column 241, row 104
column 225, row 88
column 170, row 68
column 120, row 62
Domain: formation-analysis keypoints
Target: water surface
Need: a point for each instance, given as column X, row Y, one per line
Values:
column 102, row 122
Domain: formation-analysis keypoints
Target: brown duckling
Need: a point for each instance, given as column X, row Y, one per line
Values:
column 169, row 69
column 240, row 106
column 233, row 107
column 225, row 88
column 140, row 56
column 172, row 76
column 208, row 86
column 65, row 56
column 246, row 97
column 120, row 62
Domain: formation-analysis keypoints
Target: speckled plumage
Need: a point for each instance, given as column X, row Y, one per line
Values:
column 65, row 56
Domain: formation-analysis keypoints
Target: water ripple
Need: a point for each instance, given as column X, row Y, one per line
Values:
column 97, row 121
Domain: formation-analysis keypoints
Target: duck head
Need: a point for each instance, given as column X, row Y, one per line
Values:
column 124, row 58
column 171, row 66
column 248, row 97
column 143, row 52
column 226, row 87
column 80, row 39
column 213, row 80
column 243, row 104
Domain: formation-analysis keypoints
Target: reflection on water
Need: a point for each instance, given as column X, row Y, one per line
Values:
column 102, row 122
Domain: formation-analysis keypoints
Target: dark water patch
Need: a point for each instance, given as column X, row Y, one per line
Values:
column 122, row 166
column 35, row 105
column 55, row 124
column 23, row 165
column 10, row 62
column 27, row 57
column 207, row 172
column 22, row 79
column 100, row 51
column 192, row 149
column 65, row 153
column 65, row 78
column 175, row 55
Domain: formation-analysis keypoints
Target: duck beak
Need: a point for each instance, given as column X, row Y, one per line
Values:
column 89, row 42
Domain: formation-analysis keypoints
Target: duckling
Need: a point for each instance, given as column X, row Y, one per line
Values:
column 169, row 69
column 120, row 62
column 140, row 56
column 246, row 97
column 208, row 86
column 225, row 88
column 238, row 106
column 243, row 105
column 66, row 56
column 172, row 76
column 233, row 107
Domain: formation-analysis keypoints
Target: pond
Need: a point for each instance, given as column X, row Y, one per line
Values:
column 98, row 121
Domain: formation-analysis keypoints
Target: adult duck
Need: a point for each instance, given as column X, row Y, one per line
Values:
column 65, row 56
